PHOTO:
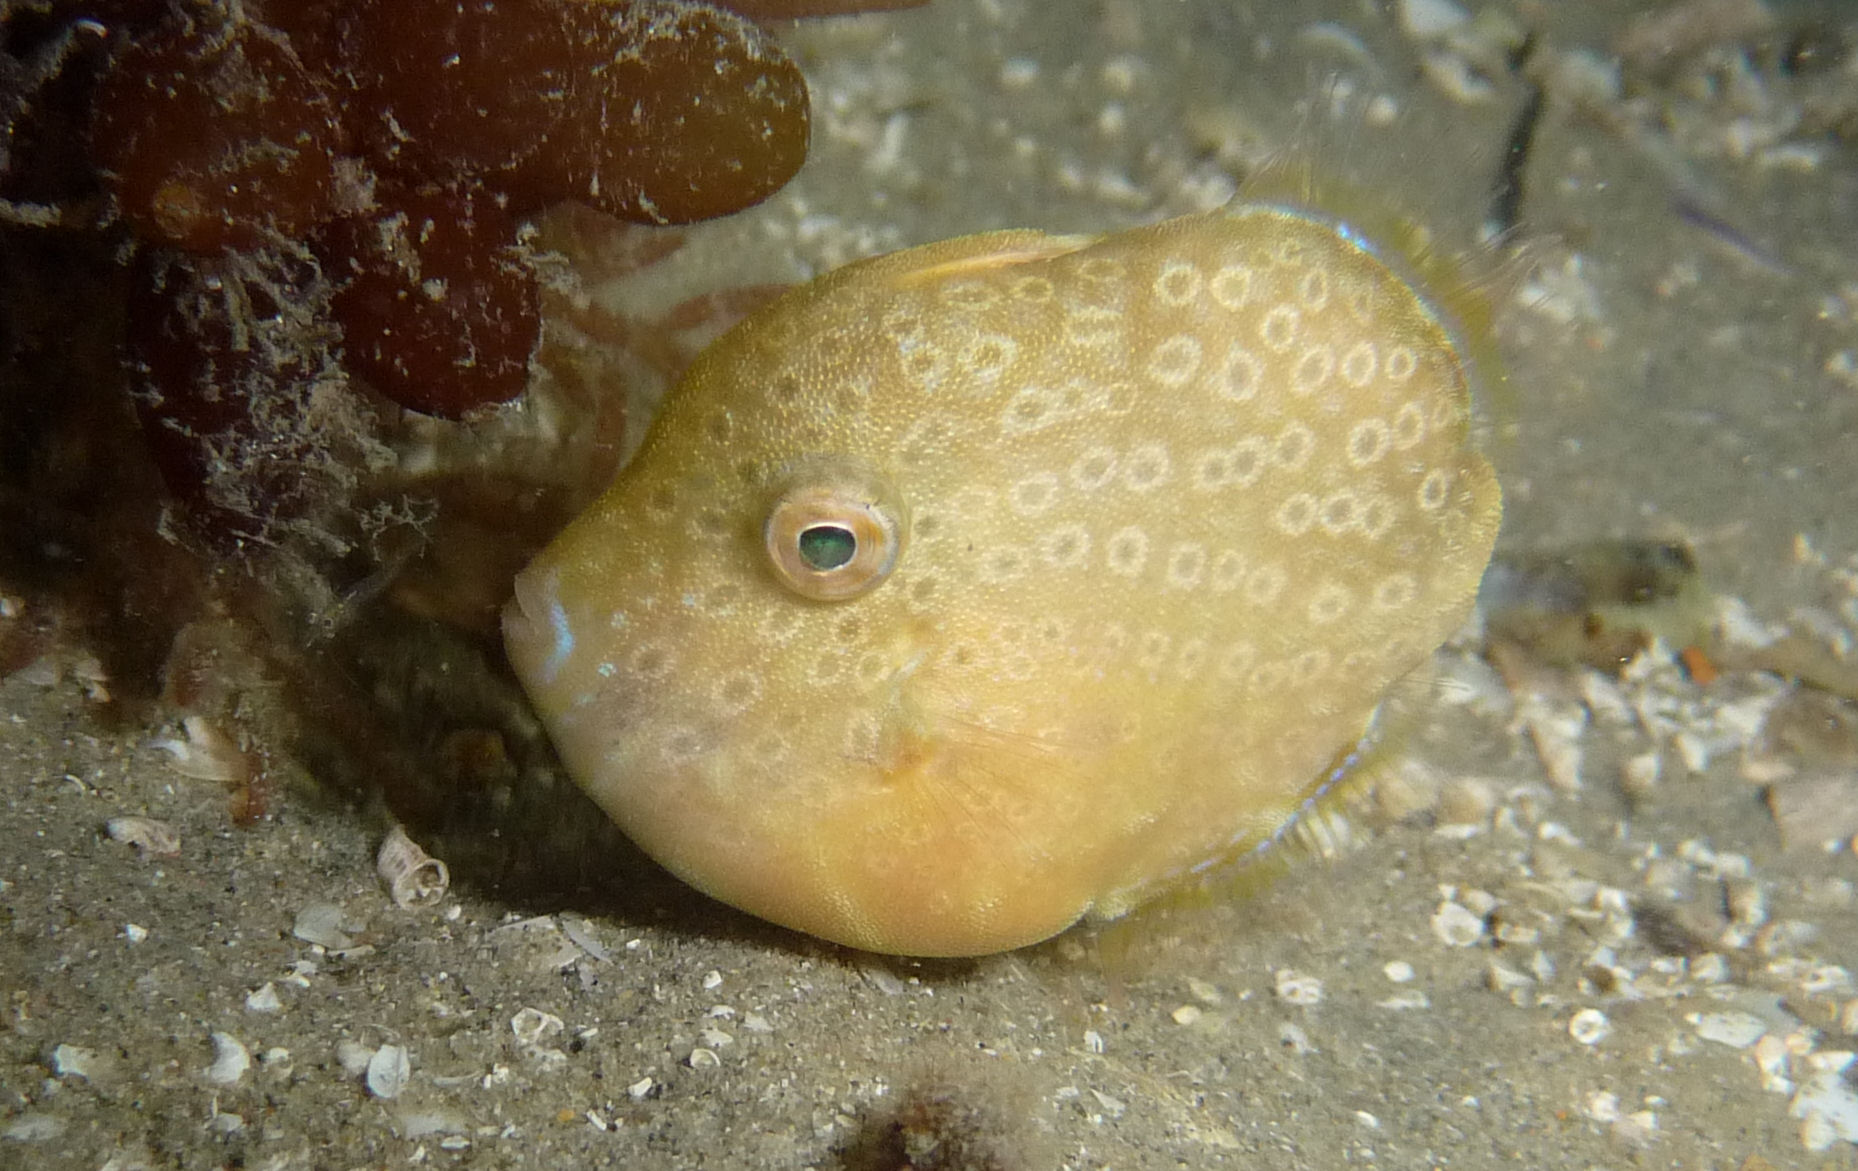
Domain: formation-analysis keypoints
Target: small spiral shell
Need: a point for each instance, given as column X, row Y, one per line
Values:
column 414, row 878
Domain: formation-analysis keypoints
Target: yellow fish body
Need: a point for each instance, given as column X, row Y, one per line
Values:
column 977, row 588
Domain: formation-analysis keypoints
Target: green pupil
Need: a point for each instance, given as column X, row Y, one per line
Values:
column 827, row 547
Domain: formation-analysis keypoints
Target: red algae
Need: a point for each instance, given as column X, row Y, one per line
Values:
column 404, row 141
column 365, row 171
column 217, row 138
column 802, row 9
column 437, row 310
column 696, row 113
column 458, row 88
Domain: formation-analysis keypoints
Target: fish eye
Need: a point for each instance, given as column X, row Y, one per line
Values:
column 835, row 531
column 827, row 547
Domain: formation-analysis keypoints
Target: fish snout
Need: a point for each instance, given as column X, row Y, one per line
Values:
column 537, row 634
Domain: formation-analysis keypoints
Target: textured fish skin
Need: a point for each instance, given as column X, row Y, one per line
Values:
column 1174, row 507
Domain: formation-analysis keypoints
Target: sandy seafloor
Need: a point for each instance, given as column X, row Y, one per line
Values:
column 1666, row 381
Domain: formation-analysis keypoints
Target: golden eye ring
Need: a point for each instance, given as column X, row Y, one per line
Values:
column 835, row 531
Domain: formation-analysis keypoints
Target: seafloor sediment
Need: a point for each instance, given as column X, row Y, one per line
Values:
column 1600, row 918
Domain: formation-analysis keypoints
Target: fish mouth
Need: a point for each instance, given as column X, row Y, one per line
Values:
column 537, row 635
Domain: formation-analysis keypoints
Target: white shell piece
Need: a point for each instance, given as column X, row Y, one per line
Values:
column 1294, row 987
column 151, row 838
column 73, row 1061
column 230, row 1060
column 1426, row 20
column 1589, row 1026
column 207, row 754
column 264, row 999
column 532, row 1026
column 324, row 924
column 389, row 1070
column 1738, row 1030
column 1456, row 925
column 354, row 1057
